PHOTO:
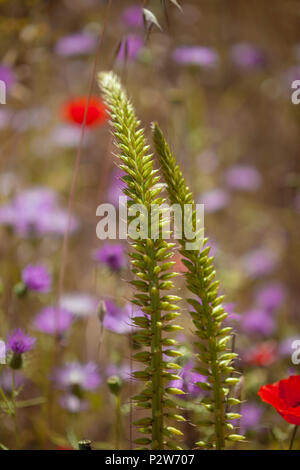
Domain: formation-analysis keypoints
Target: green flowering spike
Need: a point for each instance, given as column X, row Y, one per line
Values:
column 208, row 312
column 150, row 265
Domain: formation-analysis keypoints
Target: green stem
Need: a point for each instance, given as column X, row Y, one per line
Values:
column 4, row 398
column 156, row 364
column 118, row 423
column 219, row 410
column 15, row 409
column 293, row 437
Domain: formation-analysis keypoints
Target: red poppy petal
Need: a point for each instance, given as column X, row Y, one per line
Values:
column 291, row 416
column 270, row 394
column 289, row 391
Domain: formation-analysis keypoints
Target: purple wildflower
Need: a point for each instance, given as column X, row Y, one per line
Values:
column 243, row 177
column 258, row 322
column 117, row 184
column 259, row 262
column 251, row 416
column 122, row 371
column 7, row 75
column 271, row 296
column 53, row 321
column 112, row 255
column 133, row 16
column 36, row 278
column 130, row 47
column 73, row 374
column 19, row 343
column 214, row 200
column 76, row 44
column 36, row 212
column 233, row 318
column 188, row 381
column 196, row 55
column 247, row 55
column 117, row 319
column 72, row 403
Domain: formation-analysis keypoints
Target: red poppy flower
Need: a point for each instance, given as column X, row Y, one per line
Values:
column 262, row 355
column 285, row 397
column 74, row 111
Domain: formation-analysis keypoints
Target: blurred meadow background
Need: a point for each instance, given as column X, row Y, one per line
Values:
column 217, row 77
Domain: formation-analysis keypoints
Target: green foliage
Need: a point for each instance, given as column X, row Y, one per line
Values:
column 207, row 311
column 150, row 266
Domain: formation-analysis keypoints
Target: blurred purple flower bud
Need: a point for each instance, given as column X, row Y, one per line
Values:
column 112, row 255
column 73, row 374
column 258, row 322
column 36, row 278
column 196, row 55
column 76, row 44
column 247, row 55
column 133, row 16
column 271, row 296
column 7, row 75
column 53, row 321
column 214, row 200
column 243, row 177
column 130, row 47
column 259, row 262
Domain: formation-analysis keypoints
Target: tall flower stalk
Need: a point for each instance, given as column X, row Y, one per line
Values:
column 207, row 311
column 151, row 269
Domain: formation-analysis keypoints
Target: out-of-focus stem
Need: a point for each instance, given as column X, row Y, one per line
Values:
column 13, row 392
column 118, row 422
column 293, row 437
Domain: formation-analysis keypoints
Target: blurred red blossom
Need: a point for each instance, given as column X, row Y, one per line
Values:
column 284, row 396
column 74, row 111
column 262, row 355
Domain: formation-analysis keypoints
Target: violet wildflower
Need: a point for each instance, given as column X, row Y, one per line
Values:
column 7, row 75
column 246, row 55
column 214, row 200
column 19, row 343
column 116, row 187
column 79, row 304
column 271, row 296
column 189, row 379
column 53, row 321
column 250, row 419
column 118, row 319
column 243, row 177
column 196, row 55
column 36, row 278
column 251, row 416
column 133, row 16
column 112, row 255
column 35, row 212
column 73, row 404
column 258, row 322
column 259, row 262
column 76, row 44
column 122, row 371
column 130, row 48
column 75, row 377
